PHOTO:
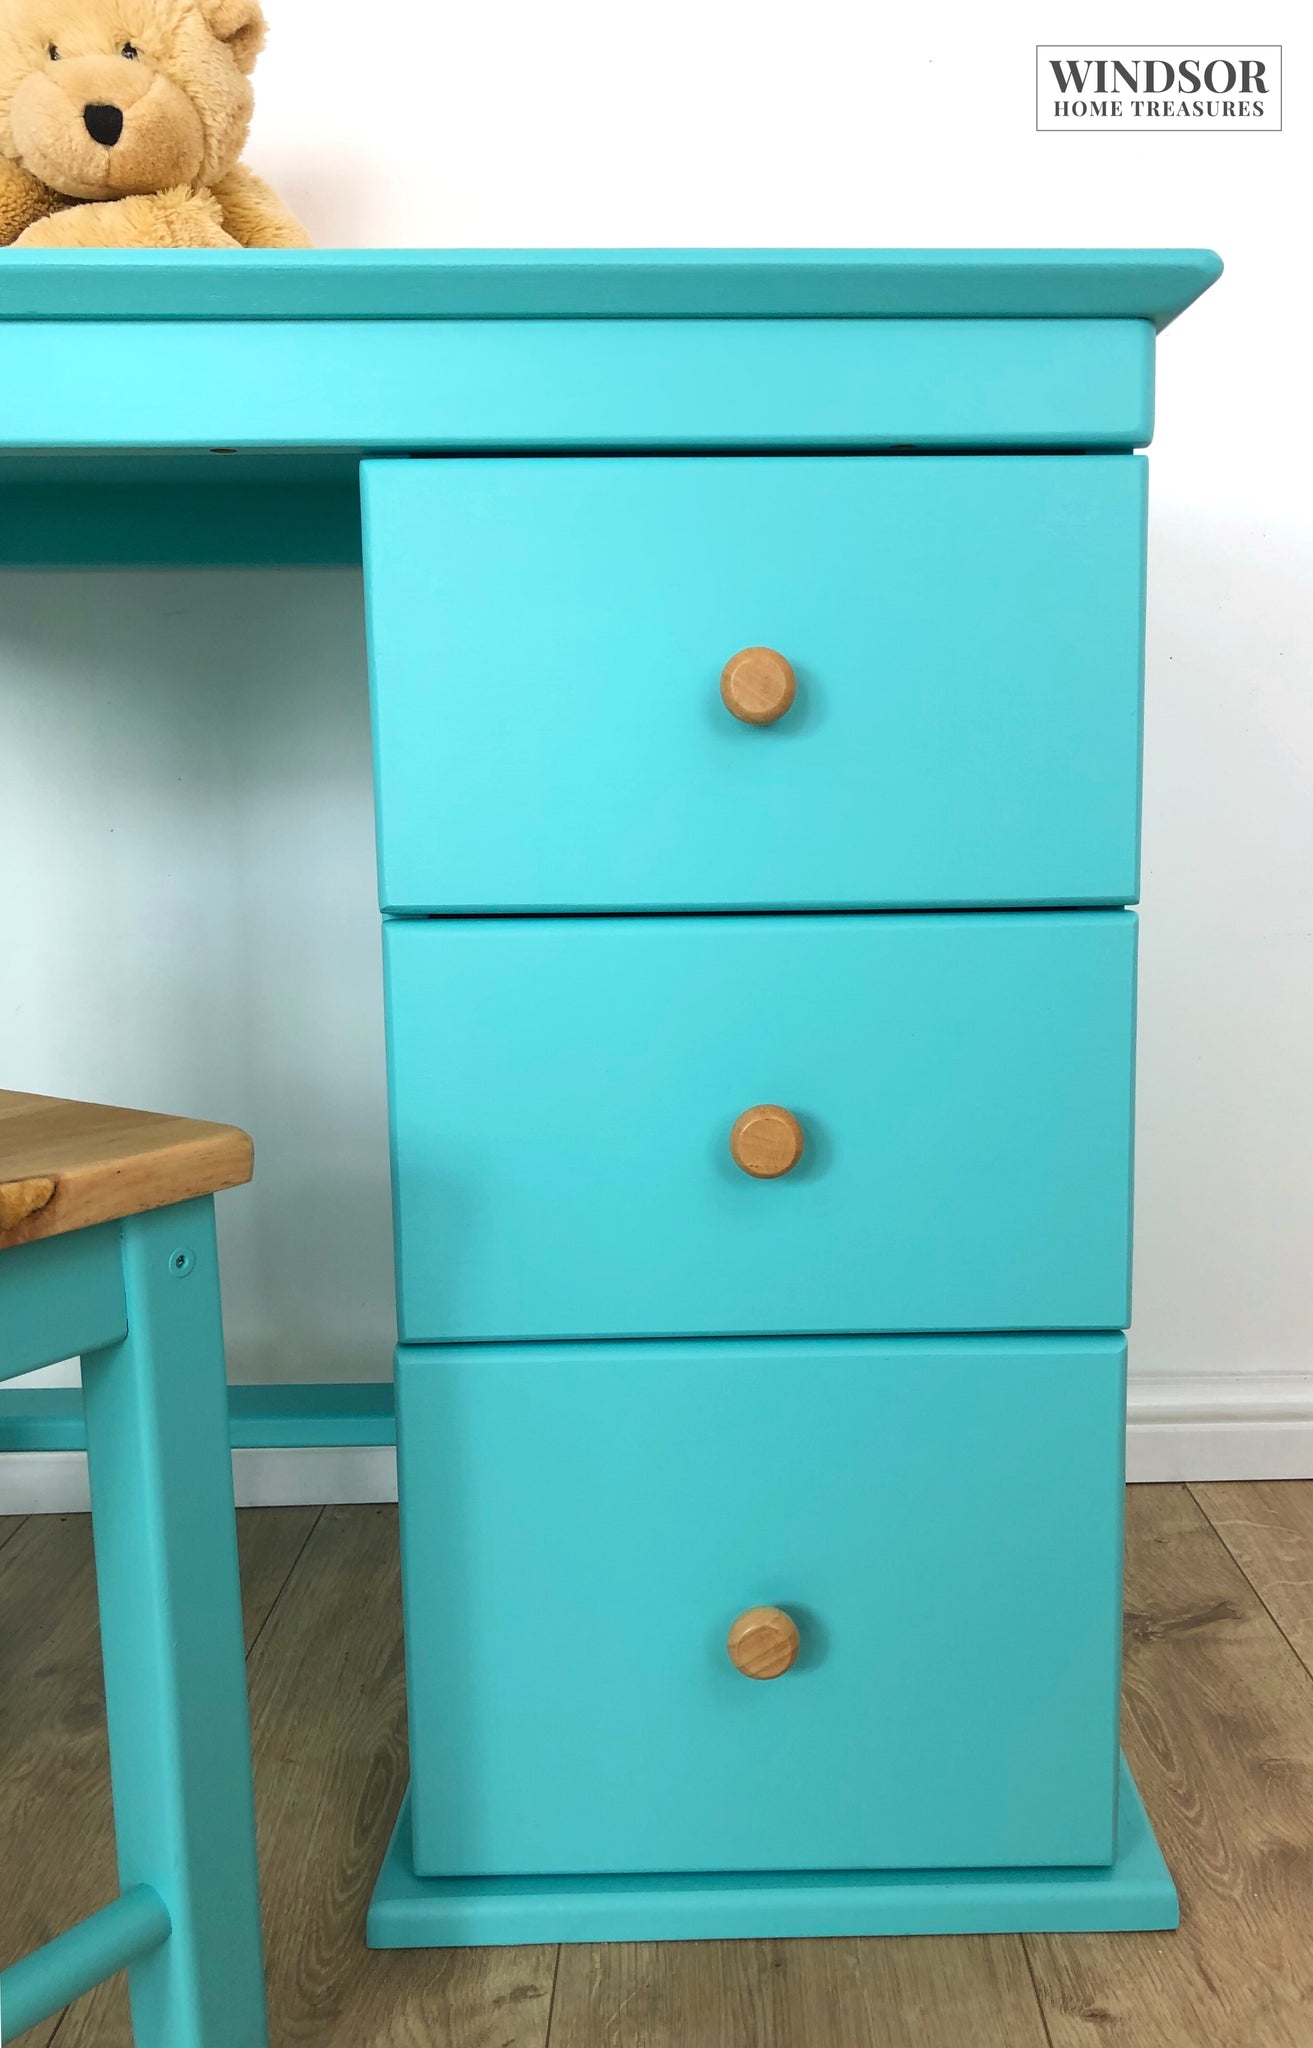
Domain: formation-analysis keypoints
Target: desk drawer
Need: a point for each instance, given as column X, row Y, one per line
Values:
column 547, row 641
column 564, row 1092
column 940, row 1519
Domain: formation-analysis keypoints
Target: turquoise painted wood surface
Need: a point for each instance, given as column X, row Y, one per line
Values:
column 942, row 1520
column 171, row 1637
column 140, row 1300
column 168, row 526
column 547, row 639
column 179, row 508
column 398, row 386
column 59, row 1298
column 669, row 284
column 1134, row 1892
column 122, row 1933
column 287, row 1415
column 563, row 1092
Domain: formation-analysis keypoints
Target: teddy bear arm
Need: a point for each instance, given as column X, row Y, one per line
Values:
column 254, row 215
column 177, row 219
column 24, row 200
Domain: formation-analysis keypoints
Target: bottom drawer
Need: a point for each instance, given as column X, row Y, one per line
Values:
column 581, row 1526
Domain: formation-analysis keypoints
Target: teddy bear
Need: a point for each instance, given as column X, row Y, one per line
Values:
column 121, row 124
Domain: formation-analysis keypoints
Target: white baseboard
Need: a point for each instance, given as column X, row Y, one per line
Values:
column 1181, row 1426
column 55, row 1482
column 1220, row 1426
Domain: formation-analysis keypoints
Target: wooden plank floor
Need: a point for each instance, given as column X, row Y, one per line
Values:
column 1218, row 1724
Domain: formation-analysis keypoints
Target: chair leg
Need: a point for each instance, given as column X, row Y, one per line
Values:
column 171, row 1629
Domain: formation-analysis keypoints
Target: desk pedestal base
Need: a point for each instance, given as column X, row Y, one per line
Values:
column 1135, row 1892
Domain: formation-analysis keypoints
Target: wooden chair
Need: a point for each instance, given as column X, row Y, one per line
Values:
column 107, row 1250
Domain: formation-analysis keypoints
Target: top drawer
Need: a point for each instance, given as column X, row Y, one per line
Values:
column 547, row 641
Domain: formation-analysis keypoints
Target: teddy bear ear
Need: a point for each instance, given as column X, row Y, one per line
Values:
column 239, row 24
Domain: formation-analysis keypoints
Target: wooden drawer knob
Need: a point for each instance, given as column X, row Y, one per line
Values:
column 763, row 1642
column 766, row 1141
column 758, row 685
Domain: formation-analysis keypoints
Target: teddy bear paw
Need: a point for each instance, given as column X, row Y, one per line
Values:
column 180, row 219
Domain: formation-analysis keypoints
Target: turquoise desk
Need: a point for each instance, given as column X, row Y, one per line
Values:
column 756, row 666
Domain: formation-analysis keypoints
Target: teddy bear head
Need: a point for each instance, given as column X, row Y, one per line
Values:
column 102, row 98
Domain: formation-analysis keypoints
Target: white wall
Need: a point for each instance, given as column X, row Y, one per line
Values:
column 186, row 765
column 189, row 751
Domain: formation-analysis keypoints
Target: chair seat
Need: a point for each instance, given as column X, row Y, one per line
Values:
column 65, row 1165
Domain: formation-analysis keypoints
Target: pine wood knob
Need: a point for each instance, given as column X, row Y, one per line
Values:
column 766, row 1141
column 763, row 1642
column 758, row 685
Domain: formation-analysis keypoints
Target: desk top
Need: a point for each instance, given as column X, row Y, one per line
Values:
column 214, row 406
column 604, row 284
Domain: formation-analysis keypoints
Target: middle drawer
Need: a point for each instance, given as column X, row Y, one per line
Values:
column 564, row 1092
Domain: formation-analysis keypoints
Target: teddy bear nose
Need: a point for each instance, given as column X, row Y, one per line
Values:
column 104, row 124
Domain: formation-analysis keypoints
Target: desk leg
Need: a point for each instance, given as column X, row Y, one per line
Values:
column 171, row 1627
